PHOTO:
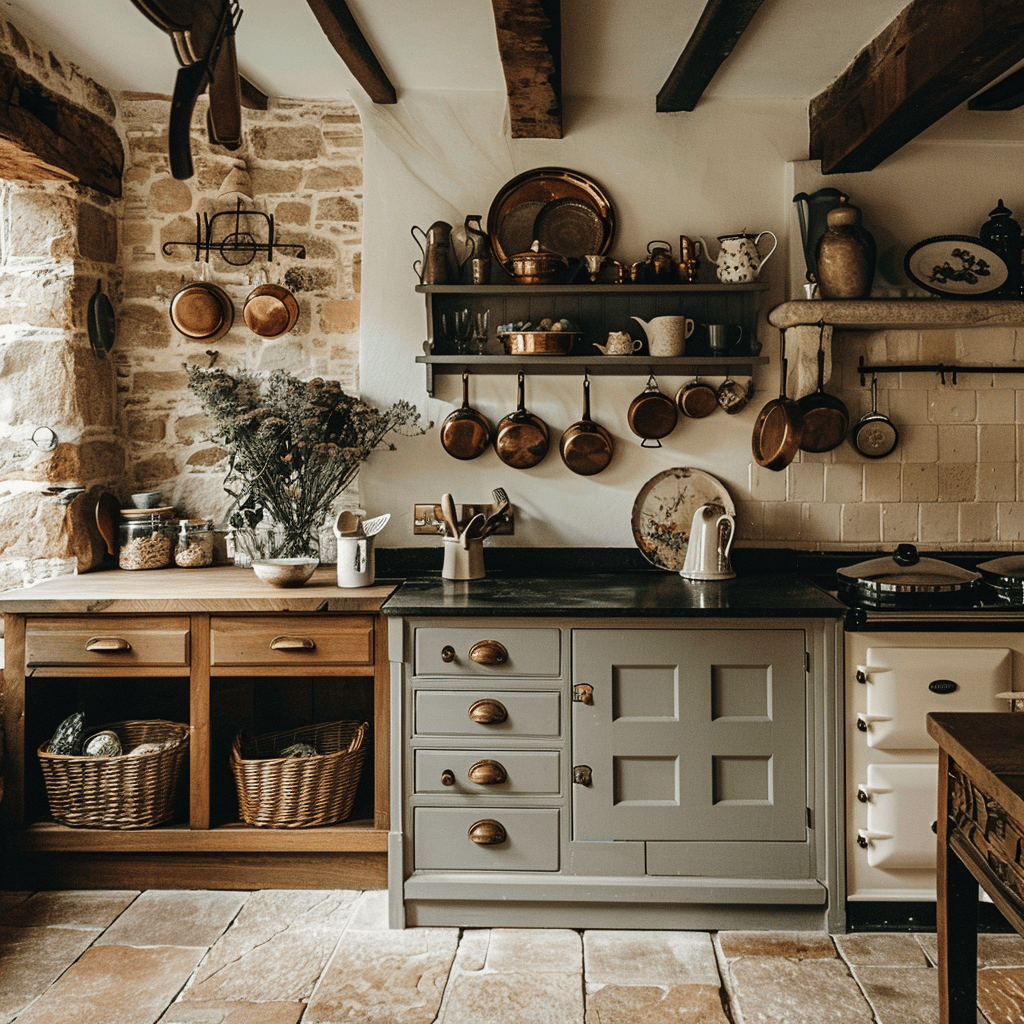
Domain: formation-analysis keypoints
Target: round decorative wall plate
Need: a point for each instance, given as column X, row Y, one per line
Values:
column 955, row 265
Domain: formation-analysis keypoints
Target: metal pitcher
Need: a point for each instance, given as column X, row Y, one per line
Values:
column 439, row 265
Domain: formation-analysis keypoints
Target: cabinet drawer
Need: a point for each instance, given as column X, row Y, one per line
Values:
column 98, row 641
column 291, row 640
column 442, row 839
column 526, row 713
column 445, row 651
column 485, row 773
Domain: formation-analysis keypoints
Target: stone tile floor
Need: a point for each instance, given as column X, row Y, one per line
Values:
column 318, row 957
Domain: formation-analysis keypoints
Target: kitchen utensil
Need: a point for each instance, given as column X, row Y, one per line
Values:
column 707, row 553
column 356, row 562
column 270, row 310
column 347, row 523
column 536, row 266
column 497, row 514
column 538, row 343
column 696, row 399
column 955, row 265
column 826, row 418
column 521, row 439
column 472, row 530
column 874, row 435
column 663, row 512
column 371, row 527
column 438, row 265
column 108, row 512
column 450, row 514
column 101, row 322
column 733, row 396
column 202, row 311
column 812, row 211
column 521, row 202
column 462, row 563
column 718, row 337
column 465, row 433
column 739, row 258
column 779, row 427
column 586, row 447
column 905, row 579
column 652, row 415
column 666, row 335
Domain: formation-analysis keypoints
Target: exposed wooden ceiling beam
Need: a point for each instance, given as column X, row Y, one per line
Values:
column 347, row 38
column 44, row 137
column 934, row 56
column 530, row 45
column 717, row 32
column 1007, row 94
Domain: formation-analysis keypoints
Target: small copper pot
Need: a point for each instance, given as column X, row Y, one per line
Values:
column 537, row 267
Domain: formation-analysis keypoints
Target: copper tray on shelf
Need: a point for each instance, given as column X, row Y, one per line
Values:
column 566, row 212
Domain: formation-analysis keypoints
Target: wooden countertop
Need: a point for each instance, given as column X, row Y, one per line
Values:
column 221, row 588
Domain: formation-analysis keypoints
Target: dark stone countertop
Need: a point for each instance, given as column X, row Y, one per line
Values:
column 648, row 594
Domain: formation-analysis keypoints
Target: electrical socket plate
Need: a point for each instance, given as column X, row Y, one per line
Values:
column 427, row 518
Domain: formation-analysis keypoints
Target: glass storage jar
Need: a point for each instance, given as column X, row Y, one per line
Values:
column 195, row 543
column 147, row 542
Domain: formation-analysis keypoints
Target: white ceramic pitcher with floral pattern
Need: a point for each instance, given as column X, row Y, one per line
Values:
column 739, row 258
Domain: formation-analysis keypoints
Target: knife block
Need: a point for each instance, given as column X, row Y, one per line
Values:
column 463, row 563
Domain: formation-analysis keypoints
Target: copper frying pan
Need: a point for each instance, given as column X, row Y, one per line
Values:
column 586, row 446
column 521, row 439
column 779, row 428
column 465, row 433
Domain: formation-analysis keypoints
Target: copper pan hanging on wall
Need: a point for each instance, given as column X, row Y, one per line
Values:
column 270, row 311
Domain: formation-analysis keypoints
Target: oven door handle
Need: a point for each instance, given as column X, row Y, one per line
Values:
column 864, row 721
column 865, row 837
column 865, row 793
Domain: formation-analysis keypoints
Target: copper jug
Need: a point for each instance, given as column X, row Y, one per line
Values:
column 439, row 265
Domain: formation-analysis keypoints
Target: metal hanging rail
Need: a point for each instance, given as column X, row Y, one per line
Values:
column 942, row 369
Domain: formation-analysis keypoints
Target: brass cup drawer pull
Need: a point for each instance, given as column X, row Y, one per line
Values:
column 292, row 643
column 487, row 832
column 107, row 645
column 488, row 652
column 488, row 712
column 488, row 773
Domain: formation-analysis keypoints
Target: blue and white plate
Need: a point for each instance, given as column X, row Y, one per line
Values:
column 955, row 265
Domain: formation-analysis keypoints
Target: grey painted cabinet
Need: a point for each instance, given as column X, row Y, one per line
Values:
column 621, row 773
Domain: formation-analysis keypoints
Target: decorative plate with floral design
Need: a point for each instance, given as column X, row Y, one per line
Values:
column 663, row 512
column 955, row 265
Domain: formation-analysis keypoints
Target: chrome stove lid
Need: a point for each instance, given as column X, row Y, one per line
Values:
column 905, row 574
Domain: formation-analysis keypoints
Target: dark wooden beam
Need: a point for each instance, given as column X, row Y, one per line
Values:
column 45, row 137
column 253, row 98
column 934, row 56
column 1007, row 94
column 530, row 45
column 347, row 38
column 717, row 32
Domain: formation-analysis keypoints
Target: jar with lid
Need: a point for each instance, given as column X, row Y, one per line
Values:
column 147, row 542
column 195, row 543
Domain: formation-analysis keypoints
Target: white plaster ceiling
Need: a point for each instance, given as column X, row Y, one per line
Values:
column 792, row 48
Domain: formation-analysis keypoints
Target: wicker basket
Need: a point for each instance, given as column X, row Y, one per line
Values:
column 299, row 792
column 118, row 792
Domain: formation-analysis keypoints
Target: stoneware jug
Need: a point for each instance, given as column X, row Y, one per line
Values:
column 707, row 552
column 739, row 259
column 666, row 335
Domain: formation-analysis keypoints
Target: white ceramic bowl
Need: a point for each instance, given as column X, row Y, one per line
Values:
column 148, row 499
column 284, row 572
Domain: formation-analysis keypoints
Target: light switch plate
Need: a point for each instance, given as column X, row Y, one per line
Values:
column 427, row 518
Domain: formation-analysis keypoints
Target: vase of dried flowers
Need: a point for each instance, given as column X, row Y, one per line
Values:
column 294, row 446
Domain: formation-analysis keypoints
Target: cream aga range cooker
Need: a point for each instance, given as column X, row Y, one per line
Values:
column 922, row 634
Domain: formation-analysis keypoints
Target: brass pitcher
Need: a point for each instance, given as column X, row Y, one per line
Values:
column 439, row 265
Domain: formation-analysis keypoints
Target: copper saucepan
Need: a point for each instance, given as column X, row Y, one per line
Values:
column 778, row 429
column 586, row 447
column 826, row 417
column 521, row 439
column 465, row 433
column 652, row 415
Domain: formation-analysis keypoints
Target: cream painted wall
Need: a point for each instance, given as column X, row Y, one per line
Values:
column 726, row 167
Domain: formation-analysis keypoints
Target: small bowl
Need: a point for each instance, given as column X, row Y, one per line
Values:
column 285, row 572
column 148, row 499
column 539, row 343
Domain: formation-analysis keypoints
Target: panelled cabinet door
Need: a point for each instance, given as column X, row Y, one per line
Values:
column 690, row 735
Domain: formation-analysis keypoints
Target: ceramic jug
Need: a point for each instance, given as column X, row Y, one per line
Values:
column 812, row 210
column 666, row 335
column 739, row 259
column 707, row 552
column 439, row 265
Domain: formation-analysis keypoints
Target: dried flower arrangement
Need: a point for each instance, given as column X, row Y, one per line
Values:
column 294, row 446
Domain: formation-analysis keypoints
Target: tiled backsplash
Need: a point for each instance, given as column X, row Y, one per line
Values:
column 954, row 480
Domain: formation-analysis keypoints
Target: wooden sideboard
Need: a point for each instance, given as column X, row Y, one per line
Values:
column 200, row 649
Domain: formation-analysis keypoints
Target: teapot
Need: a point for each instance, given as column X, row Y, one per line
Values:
column 739, row 259
column 666, row 335
column 658, row 268
column 439, row 265
column 619, row 344
column 707, row 553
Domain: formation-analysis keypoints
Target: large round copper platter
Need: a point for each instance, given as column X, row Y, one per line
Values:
column 564, row 211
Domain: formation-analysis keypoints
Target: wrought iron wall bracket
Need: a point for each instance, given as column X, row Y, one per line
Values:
column 239, row 245
column 942, row 369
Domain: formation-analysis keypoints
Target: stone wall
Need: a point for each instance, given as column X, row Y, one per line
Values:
column 58, row 417
column 305, row 162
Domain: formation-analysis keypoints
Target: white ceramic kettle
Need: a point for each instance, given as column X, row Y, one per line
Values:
column 739, row 259
column 707, row 554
